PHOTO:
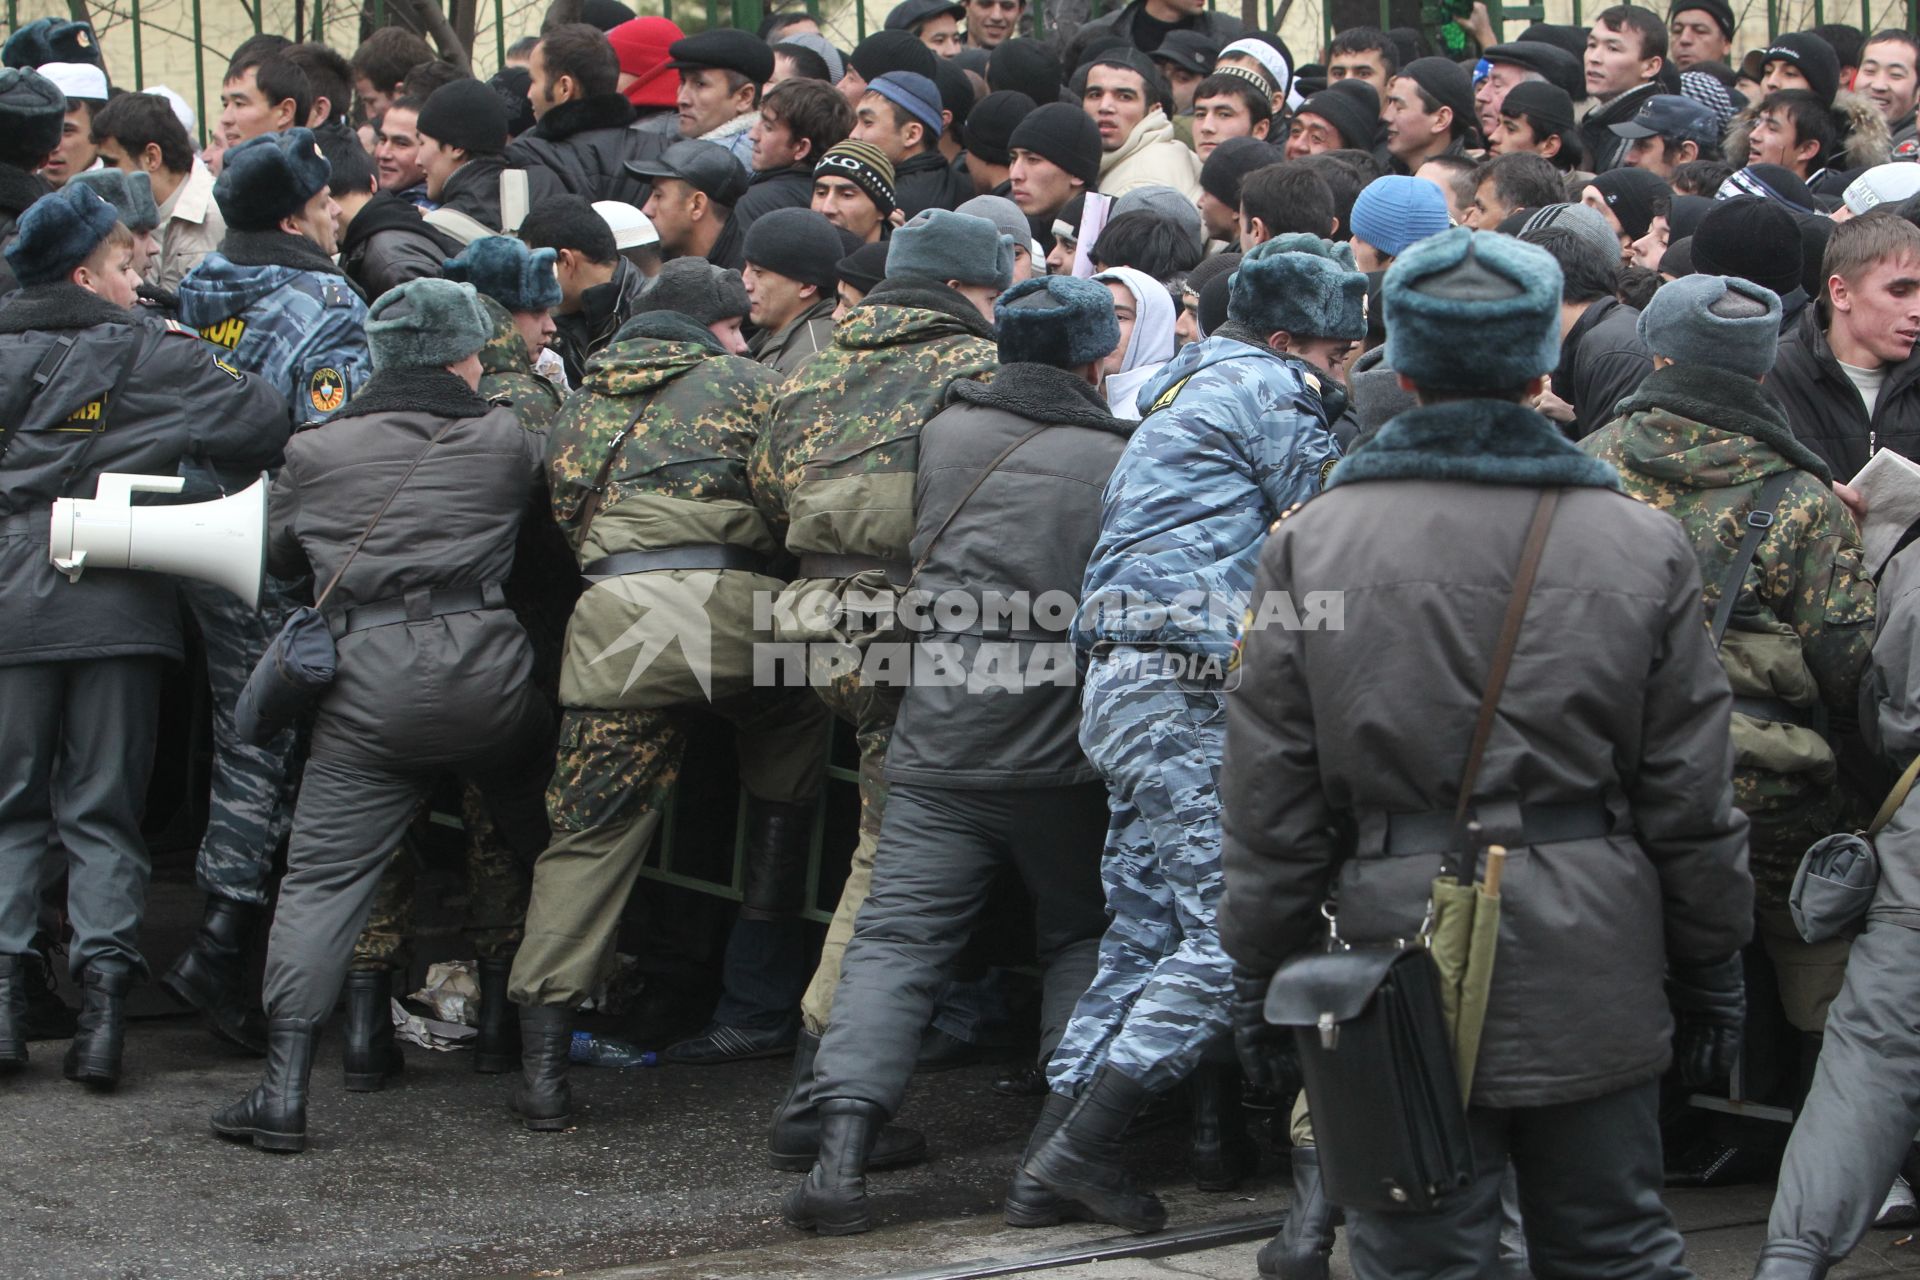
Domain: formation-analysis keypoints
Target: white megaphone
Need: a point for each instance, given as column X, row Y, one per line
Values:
column 223, row 541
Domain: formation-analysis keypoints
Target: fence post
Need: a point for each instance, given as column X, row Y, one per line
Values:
column 199, row 75
column 139, row 79
column 500, row 33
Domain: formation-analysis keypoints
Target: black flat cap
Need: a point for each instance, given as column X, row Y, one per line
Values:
column 705, row 166
column 725, row 49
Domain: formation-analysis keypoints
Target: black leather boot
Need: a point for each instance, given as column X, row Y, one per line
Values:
column 47, row 1017
column 372, row 1057
column 13, row 1013
column 1302, row 1249
column 1085, row 1159
column 1030, row 1204
column 1222, row 1153
column 211, row 974
column 774, row 869
column 496, row 1050
column 1789, row 1260
column 94, row 1056
column 793, row 1139
column 833, row 1199
column 541, row 1097
column 273, row 1115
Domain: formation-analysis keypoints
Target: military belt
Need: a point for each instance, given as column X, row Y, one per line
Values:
column 822, row 565
column 1774, row 709
column 702, row 555
column 417, row 606
column 1413, row 834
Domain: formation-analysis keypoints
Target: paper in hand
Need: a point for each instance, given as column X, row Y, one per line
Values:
column 1890, row 484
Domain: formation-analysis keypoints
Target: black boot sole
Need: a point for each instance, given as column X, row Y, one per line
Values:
column 547, row 1124
column 92, row 1074
column 13, row 1062
column 793, row 1209
column 193, row 996
column 1025, row 1215
column 1121, row 1210
column 263, row 1139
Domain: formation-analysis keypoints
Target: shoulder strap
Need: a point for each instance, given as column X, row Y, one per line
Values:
column 597, row 495
column 1895, row 798
column 463, row 227
column 1759, row 520
column 374, row 523
column 1530, row 555
column 972, row 489
column 15, row 406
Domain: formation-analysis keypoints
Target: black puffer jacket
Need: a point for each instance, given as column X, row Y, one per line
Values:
column 424, row 691
column 1606, row 149
column 387, row 244
column 1825, row 409
column 582, row 148
column 174, row 405
column 1049, row 491
column 1602, row 362
column 474, row 189
column 927, row 181
column 788, row 188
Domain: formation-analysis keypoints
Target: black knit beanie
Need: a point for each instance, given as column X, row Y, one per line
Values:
column 1630, row 194
column 865, row 267
column 1231, row 161
column 1750, row 237
column 1064, row 134
column 991, row 124
column 1026, row 66
column 796, row 243
column 1352, row 107
column 885, row 51
column 1448, row 84
column 467, row 114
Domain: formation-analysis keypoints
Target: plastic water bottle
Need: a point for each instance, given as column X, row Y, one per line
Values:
column 603, row 1051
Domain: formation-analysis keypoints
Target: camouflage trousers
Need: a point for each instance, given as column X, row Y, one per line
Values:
column 611, row 781
column 871, row 712
column 250, row 809
column 497, row 883
column 1159, row 996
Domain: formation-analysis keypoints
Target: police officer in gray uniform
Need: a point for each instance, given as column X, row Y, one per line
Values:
column 272, row 299
column 86, row 388
column 434, row 671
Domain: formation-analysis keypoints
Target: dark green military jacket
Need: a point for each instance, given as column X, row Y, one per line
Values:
column 506, row 372
column 679, row 478
column 1699, row 443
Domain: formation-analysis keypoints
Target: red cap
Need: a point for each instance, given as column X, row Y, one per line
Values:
column 641, row 47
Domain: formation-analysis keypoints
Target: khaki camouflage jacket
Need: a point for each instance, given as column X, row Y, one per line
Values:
column 1700, row 443
column 506, row 372
column 679, row 478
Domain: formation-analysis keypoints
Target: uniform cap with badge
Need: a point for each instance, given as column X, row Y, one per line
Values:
column 47, row 40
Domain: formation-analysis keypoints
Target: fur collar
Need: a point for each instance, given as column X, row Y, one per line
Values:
column 1042, row 393
column 1480, row 441
column 18, row 189
column 434, row 392
column 601, row 111
column 1726, row 401
column 927, row 295
column 1868, row 140
column 277, row 249
column 60, row 305
column 732, row 128
column 669, row 326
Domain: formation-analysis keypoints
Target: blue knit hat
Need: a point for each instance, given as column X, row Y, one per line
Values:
column 426, row 324
column 942, row 245
column 914, row 94
column 1064, row 321
column 1503, row 293
column 1396, row 211
column 268, row 178
column 503, row 268
column 131, row 195
column 1300, row 284
column 56, row 234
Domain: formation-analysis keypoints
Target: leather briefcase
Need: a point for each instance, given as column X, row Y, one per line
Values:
column 1374, row 1047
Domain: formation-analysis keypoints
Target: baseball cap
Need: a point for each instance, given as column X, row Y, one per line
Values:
column 1668, row 115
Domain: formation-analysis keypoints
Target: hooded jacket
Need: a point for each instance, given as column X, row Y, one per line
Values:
column 1152, row 156
column 1699, row 443
column 582, row 148
column 678, row 478
column 440, row 689
column 1615, row 703
column 1150, row 344
column 388, row 244
column 1234, row 435
column 1016, row 728
column 281, row 309
column 174, row 404
column 834, row 470
column 1825, row 407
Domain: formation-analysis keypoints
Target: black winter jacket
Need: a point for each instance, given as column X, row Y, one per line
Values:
column 1049, row 490
column 18, row 189
column 1606, row 149
column 1602, row 362
column 474, row 189
column 388, row 244
column 788, row 188
column 927, row 181
column 1825, row 410
column 1215, row 26
column 175, row 404
column 582, row 148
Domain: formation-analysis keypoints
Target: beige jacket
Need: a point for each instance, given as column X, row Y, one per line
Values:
column 190, row 228
column 1152, row 156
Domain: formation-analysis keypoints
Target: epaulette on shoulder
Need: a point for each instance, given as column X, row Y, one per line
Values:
column 1275, row 526
column 174, row 326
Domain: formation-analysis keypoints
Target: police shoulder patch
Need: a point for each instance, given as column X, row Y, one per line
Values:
column 326, row 389
column 1326, row 470
column 1168, row 396
column 227, row 333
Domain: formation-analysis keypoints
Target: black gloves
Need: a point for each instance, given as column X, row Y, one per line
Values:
column 1709, row 1009
column 1266, row 1052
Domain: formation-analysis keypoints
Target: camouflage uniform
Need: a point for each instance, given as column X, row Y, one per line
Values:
column 303, row 331
column 497, row 881
column 834, row 474
column 1699, row 444
column 1235, row 436
column 678, row 479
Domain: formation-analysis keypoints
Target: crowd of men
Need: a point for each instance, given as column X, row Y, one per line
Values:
column 1130, row 436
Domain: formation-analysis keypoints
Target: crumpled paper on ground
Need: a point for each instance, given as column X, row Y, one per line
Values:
column 452, row 992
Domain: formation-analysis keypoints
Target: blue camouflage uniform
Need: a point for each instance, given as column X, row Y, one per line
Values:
column 304, row 333
column 1234, row 435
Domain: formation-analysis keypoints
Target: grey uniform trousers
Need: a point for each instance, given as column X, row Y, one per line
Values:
column 76, row 752
column 1589, row 1176
column 939, row 851
column 1864, row 1106
column 346, row 828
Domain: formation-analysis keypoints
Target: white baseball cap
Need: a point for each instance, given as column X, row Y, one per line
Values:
column 181, row 111
column 1883, row 184
column 76, row 79
column 632, row 229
